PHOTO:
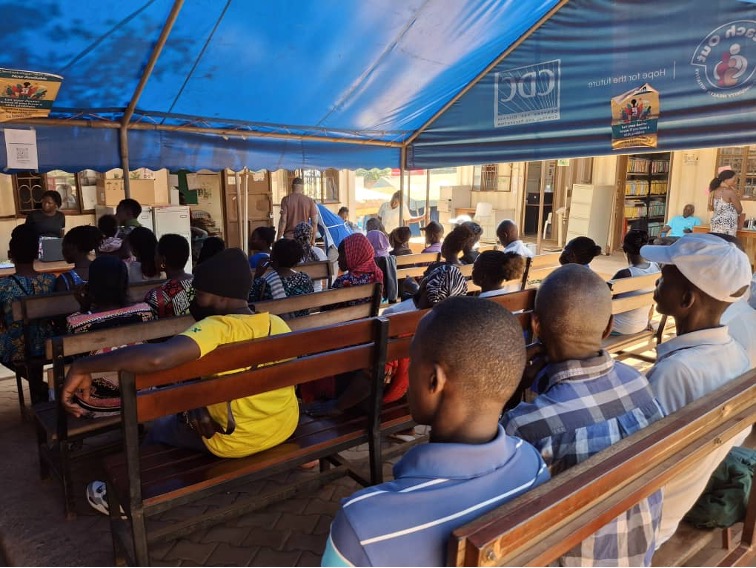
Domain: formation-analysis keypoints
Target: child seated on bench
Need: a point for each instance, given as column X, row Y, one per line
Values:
column 78, row 243
column 470, row 465
column 278, row 278
column 493, row 268
column 242, row 427
column 585, row 402
column 399, row 239
column 634, row 321
column 172, row 298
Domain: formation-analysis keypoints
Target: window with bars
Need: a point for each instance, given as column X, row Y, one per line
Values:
column 742, row 160
column 493, row 177
column 321, row 186
column 30, row 186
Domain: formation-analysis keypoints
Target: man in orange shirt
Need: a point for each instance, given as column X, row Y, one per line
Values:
column 297, row 208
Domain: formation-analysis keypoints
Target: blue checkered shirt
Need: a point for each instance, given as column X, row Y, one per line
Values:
column 581, row 408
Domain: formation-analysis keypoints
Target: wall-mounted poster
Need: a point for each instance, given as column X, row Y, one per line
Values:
column 27, row 94
column 635, row 117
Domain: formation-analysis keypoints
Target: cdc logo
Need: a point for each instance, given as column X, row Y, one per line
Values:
column 527, row 94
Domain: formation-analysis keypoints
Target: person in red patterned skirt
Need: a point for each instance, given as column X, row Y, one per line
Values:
column 174, row 296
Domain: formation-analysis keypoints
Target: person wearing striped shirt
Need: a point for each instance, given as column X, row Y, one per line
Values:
column 470, row 465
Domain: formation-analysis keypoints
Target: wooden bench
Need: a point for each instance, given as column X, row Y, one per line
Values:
column 150, row 480
column 414, row 265
column 539, row 267
column 633, row 345
column 540, row 526
column 57, row 431
column 34, row 310
column 368, row 298
column 321, row 271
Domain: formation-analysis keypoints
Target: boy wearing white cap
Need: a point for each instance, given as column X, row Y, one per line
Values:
column 701, row 277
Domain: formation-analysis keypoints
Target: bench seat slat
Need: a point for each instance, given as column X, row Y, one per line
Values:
column 315, row 299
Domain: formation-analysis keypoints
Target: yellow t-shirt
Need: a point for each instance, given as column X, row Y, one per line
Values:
column 263, row 420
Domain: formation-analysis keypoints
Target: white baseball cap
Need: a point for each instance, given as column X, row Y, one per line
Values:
column 715, row 266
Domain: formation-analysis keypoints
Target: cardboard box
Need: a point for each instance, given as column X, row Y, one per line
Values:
column 110, row 192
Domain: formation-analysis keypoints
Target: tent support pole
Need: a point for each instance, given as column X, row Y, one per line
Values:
column 427, row 196
column 124, row 139
column 402, row 163
column 123, row 146
column 540, row 207
column 237, row 179
column 485, row 71
column 245, row 242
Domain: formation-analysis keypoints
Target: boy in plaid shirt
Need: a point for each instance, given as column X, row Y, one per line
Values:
column 585, row 403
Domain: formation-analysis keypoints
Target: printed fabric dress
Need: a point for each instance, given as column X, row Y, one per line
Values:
column 105, row 395
column 271, row 286
column 171, row 298
column 13, row 288
column 725, row 218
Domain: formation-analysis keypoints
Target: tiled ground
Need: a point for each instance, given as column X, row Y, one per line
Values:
column 33, row 531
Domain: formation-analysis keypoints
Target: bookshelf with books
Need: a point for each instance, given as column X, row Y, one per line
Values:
column 645, row 192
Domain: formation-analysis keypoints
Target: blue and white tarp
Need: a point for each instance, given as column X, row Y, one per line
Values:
column 552, row 96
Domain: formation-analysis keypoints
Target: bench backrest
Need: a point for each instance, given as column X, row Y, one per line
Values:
column 62, row 346
column 537, row 528
column 321, row 270
column 424, row 258
column 540, row 266
column 302, row 356
column 368, row 295
column 402, row 326
column 59, row 304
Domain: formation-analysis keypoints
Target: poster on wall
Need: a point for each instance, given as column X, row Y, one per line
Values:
column 635, row 118
column 27, row 94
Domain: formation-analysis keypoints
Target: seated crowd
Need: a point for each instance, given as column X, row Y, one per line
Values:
column 504, row 417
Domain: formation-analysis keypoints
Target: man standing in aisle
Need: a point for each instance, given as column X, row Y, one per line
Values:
column 297, row 208
column 389, row 213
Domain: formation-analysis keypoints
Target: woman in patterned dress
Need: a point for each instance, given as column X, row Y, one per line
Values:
column 725, row 203
column 24, row 249
column 174, row 296
column 277, row 278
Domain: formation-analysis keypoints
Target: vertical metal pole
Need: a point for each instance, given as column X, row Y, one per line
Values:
column 123, row 144
column 402, row 161
column 237, row 178
column 540, row 207
column 245, row 243
column 427, row 196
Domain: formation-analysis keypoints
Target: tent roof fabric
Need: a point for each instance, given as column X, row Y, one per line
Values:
column 348, row 83
column 367, row 70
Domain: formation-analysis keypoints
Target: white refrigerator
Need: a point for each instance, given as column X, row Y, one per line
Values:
column 174, row 219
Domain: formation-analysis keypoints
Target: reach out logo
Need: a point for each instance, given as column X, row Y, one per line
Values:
column 725, row 60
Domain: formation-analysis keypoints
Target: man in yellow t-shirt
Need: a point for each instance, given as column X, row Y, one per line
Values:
column 220, row 308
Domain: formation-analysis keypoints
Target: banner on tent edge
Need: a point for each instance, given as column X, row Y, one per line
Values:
column 27, row 94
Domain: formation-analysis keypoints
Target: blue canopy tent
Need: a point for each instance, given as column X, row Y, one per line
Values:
column 375, row 83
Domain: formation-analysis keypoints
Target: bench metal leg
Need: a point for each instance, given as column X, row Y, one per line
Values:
column 44, row 466
column 21, row 401
column 65, row 477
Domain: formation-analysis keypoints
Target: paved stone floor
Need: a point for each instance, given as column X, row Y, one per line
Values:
column 34, row 532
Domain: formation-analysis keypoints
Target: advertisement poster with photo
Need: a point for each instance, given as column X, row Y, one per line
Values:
column 635, row 118
column 27, row 94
